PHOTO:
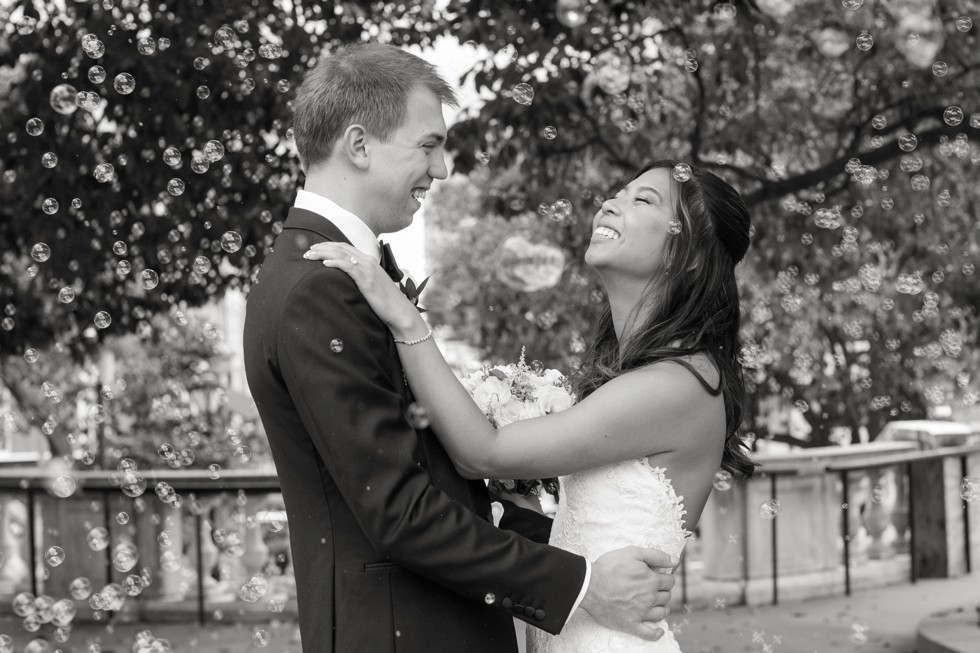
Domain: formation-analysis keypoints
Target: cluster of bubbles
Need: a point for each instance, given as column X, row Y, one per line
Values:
column 254, row 588
column 146, row 642
column 44, row 609
column 127, row 477
column 557, row 211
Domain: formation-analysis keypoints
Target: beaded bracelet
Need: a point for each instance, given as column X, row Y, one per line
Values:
column 416, row 341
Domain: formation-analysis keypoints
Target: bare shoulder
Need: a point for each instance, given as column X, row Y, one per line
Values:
column 672, row 377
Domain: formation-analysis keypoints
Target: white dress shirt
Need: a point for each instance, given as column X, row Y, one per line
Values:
column 361, row 237
column 353, row 228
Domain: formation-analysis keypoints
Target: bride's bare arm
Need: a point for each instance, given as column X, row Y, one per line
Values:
column 652, row 410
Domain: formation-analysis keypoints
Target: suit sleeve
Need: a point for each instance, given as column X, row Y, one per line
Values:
column 524, row 521
column 336, row 359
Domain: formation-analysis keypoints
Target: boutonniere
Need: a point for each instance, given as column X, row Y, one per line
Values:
column 412, row 292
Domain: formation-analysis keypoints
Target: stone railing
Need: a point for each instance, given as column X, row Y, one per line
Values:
column 154, row 545
column 864, row 516
column 168, row 545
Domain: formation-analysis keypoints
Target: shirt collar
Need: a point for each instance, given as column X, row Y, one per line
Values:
column 353, row 228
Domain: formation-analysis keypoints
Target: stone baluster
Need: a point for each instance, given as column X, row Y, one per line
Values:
column 15, row 574
column 171, row 554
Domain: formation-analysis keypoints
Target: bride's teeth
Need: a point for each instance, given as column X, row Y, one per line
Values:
column 419, row 193
column 606, row 232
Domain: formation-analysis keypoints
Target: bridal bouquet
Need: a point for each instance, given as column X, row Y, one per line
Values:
column 507, row 393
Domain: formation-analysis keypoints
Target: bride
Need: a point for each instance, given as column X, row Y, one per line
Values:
column 660, row 390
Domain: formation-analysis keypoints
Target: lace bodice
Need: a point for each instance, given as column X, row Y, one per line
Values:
column 627, row 503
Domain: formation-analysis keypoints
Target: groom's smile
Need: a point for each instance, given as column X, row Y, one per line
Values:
column 402, row 169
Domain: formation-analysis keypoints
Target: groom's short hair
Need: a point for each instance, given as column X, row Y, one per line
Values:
column 361, row 83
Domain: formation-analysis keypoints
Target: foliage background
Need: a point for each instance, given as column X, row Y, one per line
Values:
column 860, row 290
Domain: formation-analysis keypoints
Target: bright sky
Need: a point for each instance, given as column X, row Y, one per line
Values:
column 453, row 60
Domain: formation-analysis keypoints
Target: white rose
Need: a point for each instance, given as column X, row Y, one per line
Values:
column 538, row 381
column 554, row 377
column 490, row 393
column 552, row 399
column 508, row 413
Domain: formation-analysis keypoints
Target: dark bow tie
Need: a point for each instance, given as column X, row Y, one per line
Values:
column 389, row 264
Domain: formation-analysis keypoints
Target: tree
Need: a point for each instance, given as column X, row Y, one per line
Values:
column 847, row 130
column 859, row 308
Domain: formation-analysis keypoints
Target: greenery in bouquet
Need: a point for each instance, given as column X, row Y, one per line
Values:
column 516, row 391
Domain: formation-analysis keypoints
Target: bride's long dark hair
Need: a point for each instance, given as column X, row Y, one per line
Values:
column 691, row 307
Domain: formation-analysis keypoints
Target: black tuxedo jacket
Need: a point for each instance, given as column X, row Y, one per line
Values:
column 393, row 550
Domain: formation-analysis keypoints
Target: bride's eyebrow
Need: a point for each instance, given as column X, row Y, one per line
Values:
column 652, row 190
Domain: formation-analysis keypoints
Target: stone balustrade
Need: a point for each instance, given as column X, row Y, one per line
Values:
column 213, row 549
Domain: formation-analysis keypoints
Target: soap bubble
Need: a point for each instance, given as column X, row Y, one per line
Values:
column 231, row 241
column 202, row 264
column 49, row 159
column 104, row 172
column 852, row 5
column 953, row 116
column 907, row 142
column 31, row 355
column 940, row 68
column 681, row 172
column 769, row 509
column 176, row 187
column 96, row 74
column 549, row 132
column 149, row 279
column 722, row 480
column 66, row 295
column 613, row 69
column 124, row 83
column 40, row 252
column 260, row 638
column 62, row 99
column 171, row 156
column 125, row 556
column 50, row 206
column 63, row 486
column 964, row 23
column 23, row 604
column 213, row 150
column 417, row 416
column 224, row 36
column 98, row 539
column 864, row 41
column 54, row 556
column 146, row 46
column 102, row 319
column 254, row 588
column 523, row 94
column 35, row 126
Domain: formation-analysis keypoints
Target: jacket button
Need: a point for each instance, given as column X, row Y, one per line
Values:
column 539, row 615
column 505, row 603
column 489, row 598
column 518, row 608
column 528, row 611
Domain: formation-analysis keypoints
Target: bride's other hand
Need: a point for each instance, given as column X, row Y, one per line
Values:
column 381, row 293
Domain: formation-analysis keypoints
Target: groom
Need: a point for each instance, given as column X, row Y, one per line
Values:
column 393, row 550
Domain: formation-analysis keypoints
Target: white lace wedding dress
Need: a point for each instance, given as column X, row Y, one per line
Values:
column 627, row 503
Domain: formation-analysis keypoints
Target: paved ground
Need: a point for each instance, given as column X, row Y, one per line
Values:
column 883, row 619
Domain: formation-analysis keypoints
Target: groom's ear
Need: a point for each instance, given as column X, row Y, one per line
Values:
column 354, row 145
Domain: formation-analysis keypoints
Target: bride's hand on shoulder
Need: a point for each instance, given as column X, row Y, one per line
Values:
column 381, row 293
